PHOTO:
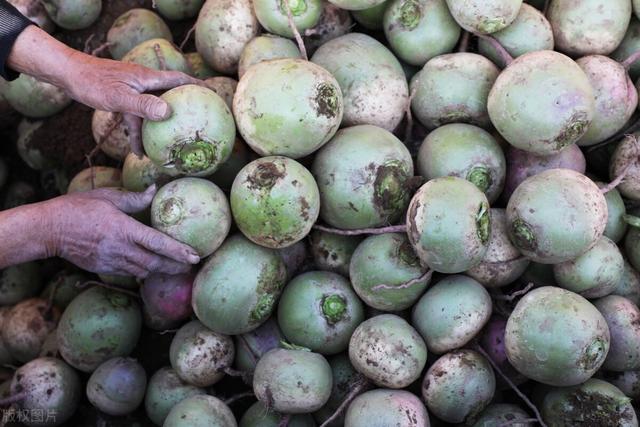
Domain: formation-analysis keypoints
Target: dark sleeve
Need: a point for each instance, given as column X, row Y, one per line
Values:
column 12, row 23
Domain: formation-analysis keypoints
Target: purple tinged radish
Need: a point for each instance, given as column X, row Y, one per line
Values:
column 167, row 300
column 117, row 386
column 251, row 346
column 273, row 15
column 623, row 319
column 492, row 340
column 138, row 174
column 158, row 54
column 73, row 14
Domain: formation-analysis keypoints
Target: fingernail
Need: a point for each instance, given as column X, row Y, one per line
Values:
column 161, row 110
column 193, row 258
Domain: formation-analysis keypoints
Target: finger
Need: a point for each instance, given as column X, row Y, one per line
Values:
column 142, row 105
column 128, row 201
column 164, row 80
column 155, row 263
column 162, row 244
column 134, row 126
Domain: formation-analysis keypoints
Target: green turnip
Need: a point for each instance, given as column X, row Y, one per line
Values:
column 383, row 407
column 222, row 29
column 292, row 381
column 388, row 351
column 503, row 263
column 623, row 319
column 199, row 356
column 134, row 27
column 492, row 342
column 363, row 66
column 383, row 167
column 540, row 209
column 158, row 54
column 138, row 174
column 484, row 16
column 319, row 310
column 275, row 201
column 197, row 138
column 273, row 15
column 314, row 107
column 449, row 225
column 529, row 111
column 458, row 386
column 594, row 274
column 199, row 69
column 265, row 48
column 537, row 334
column 164, row 391
column 32, row 97
column 73, row 14
column 117, row 386
column 237, row 288
column 95, row 177
column 97, row 325
column 528, row 33
column 252, row 345
column 465, row 151
column 225, row 87
column 371, row 18
column 176, row 10
column 379, row 268
column 51, row 387
column 200, row 411
column 591, row 27
column 193, row 211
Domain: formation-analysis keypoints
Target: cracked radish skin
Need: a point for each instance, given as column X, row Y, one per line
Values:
column 197, row 138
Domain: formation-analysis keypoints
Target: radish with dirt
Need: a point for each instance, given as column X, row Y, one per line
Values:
column 624, row 163
column 200, row 356
column 449, row 225
column 458, row 386
column 158, row 54
column 134, row 27
column 95, row 177
column 117, row 386
column 346, row 383
column 591, row 27
column 465, row 151
column 530, row 32
column 26, row 327
column 265, row 48
column 386, row 272
column 524, row 164
column 275, row 201
column 273, row 15
column 292, row 381
column 623, row 319
column 383, row 407
column 314, row 107
column 49, row 386
column 225, row 87
column 532, row 332
column 197, row 138
column 97, row 325
column 164, row 390
column 419, row 30
column 499, row 414
column 594, row 402
column 259, row 415
column 334, row 22
column 540, row 208
column 527, row 110
column 138, row 174
column 193, row 211
column 388, row 351
column 167, row 300
column 222, row 30
column 200, row 411
column 111, row 134
column 451, row 313
column 594, row 274
column 32, row 97
column 503, row 263
column 177, row 10
column 73, row 14
column 491, row 340
column 252, row 345
column 384, row 169
column 362, row 66
column 629, row 284
column 319, row 310
column 484, row 16
column 453, row 88
column 237, row 288
column 332, row 252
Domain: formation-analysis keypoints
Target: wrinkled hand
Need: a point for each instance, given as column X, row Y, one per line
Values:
column 120, row 87
column 93, row 231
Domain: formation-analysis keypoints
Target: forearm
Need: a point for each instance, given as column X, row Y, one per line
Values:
column 23, row 235
column 42, row 56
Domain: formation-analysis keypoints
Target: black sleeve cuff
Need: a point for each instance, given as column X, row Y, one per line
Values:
column 12, row 23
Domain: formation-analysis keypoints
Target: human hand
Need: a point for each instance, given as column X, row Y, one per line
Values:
column 93, row 231
column 120, row 87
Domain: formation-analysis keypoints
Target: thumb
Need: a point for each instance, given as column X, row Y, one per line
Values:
column 148, row 107
column 132, row 202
